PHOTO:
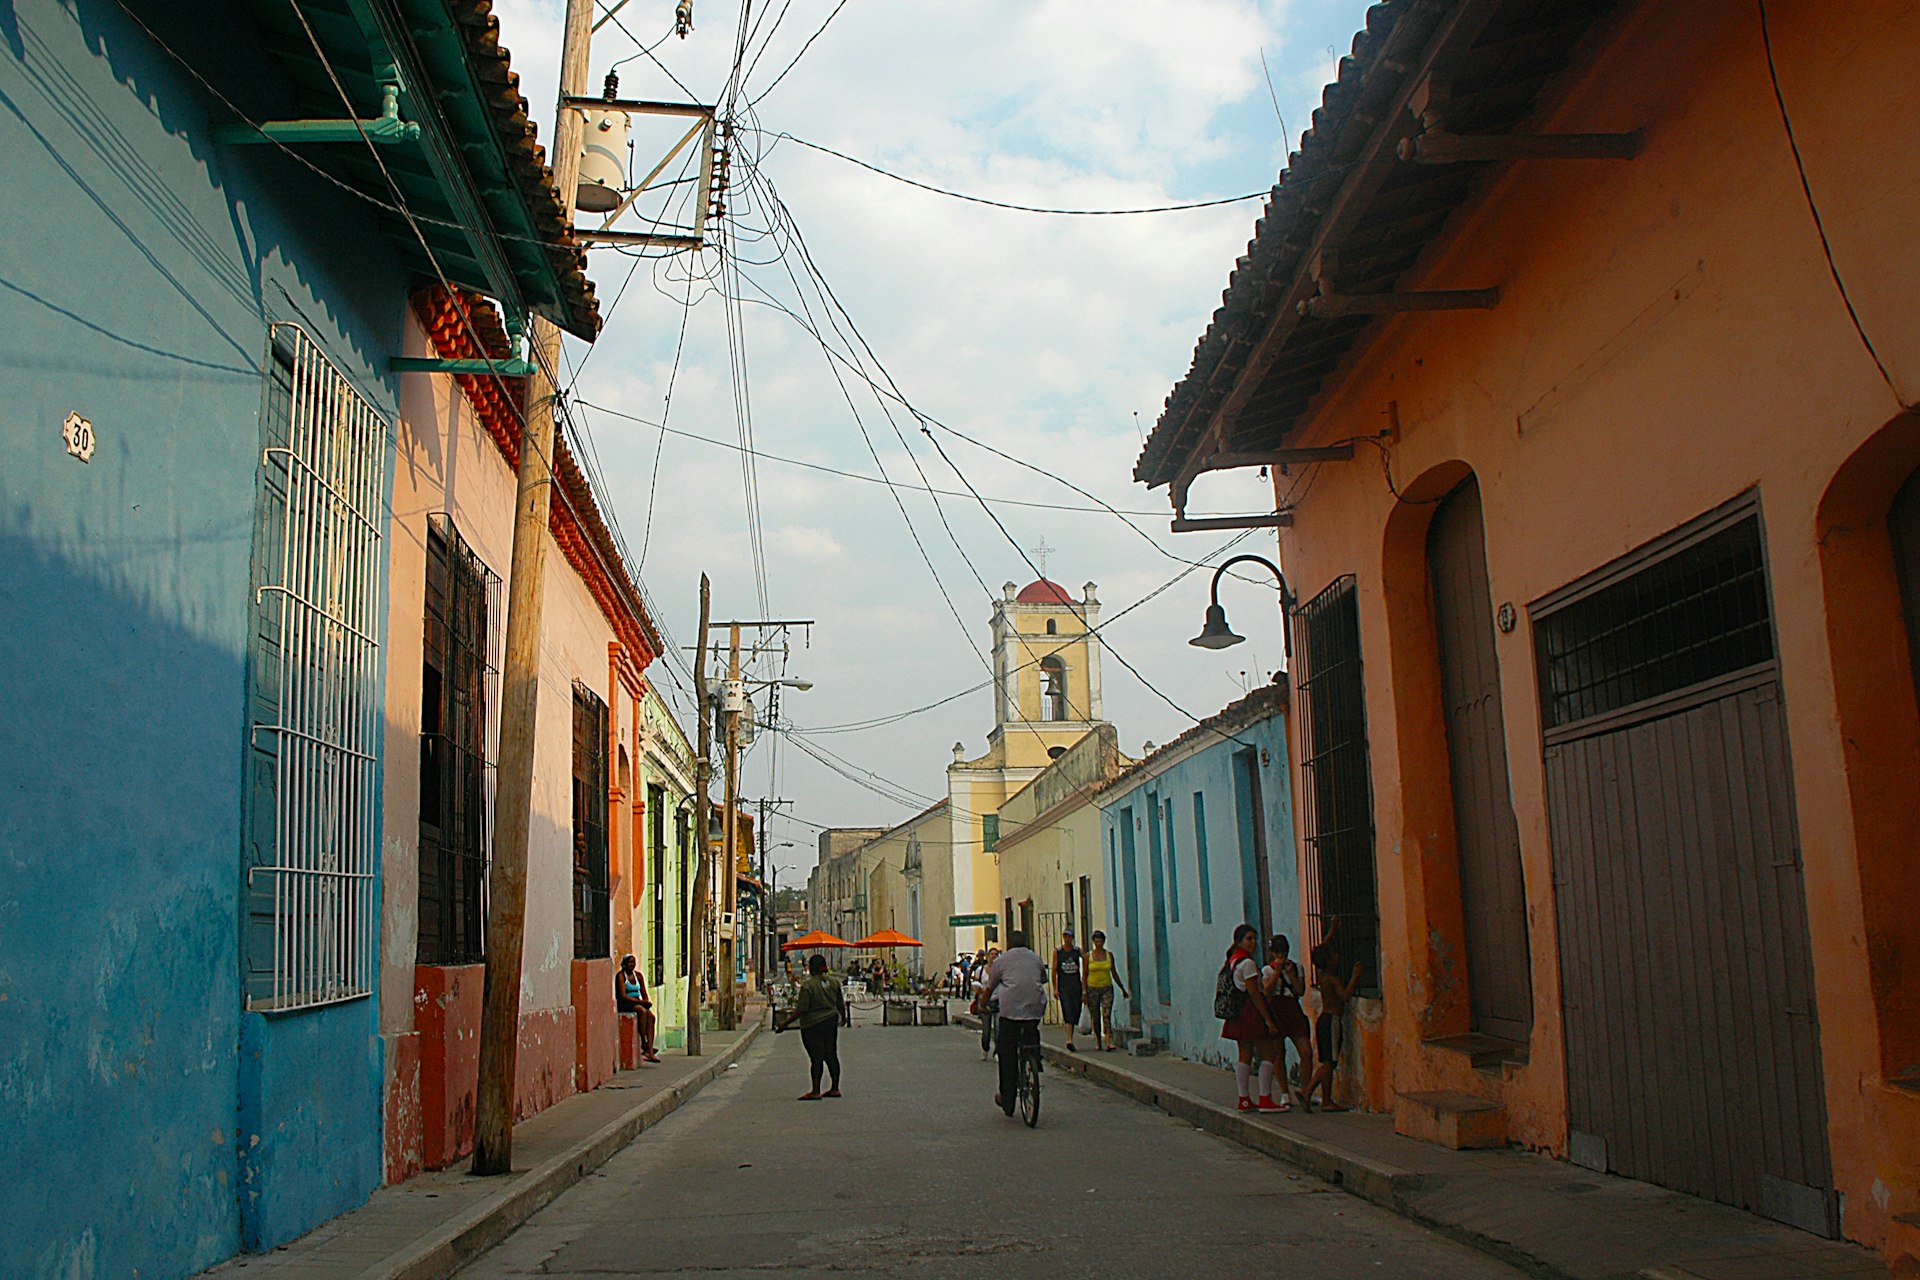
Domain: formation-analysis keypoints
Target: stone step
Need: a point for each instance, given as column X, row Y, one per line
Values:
column 1450, row 1118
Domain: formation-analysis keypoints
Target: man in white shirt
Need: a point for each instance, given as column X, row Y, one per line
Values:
column 1018, row 980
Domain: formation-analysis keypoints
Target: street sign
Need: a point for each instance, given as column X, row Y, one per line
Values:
column 968, row 922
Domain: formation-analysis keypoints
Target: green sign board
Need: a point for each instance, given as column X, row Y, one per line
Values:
column 968, row 922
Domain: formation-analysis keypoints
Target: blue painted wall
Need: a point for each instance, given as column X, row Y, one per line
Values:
column 1183, row 929
column 163, row 1127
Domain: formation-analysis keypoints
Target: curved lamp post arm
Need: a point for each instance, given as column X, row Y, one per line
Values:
column 1216, row 634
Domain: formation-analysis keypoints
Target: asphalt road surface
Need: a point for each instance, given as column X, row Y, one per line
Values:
column 914, row 1173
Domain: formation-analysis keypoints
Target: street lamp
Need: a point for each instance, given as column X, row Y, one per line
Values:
column 1216, row 634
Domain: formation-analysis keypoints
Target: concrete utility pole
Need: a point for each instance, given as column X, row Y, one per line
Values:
column 520, row 674
column 729, row 879
column 702, row 778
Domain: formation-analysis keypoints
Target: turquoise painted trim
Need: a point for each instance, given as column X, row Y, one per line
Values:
column 387, row 127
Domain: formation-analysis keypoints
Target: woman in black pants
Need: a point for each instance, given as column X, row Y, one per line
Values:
column 818, row 1012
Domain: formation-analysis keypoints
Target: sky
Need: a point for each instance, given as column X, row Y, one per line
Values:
column 1052, row 339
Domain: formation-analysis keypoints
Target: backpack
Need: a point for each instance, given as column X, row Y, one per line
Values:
column 1228, row 1000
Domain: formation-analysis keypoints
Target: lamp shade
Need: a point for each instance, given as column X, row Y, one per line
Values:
column 1216, row 634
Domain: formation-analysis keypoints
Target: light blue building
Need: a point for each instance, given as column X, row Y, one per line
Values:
column 196, row 328
column 1198, row 837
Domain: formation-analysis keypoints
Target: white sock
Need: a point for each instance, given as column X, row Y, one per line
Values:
column 1242, row 1076
column 1266, row 1078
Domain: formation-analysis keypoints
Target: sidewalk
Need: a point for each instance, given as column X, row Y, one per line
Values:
column 431, row 1225
column 1540, row 1214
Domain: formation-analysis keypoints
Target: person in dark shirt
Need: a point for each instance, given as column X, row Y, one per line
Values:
column 1068, row 963
column 818, row 1011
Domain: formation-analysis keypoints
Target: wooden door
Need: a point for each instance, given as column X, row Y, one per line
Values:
column 1492, row 891
column 1692, row 1039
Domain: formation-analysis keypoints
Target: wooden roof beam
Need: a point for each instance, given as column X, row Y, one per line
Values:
column 1437, row 146
column 1451, row 34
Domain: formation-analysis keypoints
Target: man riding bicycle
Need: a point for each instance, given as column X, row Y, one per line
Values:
column 1018, row 980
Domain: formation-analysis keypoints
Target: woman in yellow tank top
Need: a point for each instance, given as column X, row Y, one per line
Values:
column 1103, row 975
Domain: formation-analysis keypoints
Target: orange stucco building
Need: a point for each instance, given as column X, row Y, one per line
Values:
column 1606, row 580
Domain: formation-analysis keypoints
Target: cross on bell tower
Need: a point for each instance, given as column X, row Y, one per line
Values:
column 1040, row 553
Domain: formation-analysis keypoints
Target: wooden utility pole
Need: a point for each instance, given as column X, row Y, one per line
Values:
column 696, row 923
column 520, row 675
column 735, row 696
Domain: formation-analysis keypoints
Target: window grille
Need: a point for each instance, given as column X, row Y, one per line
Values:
column 657, row 839
column 1337, row 777
column 459, row 669
column 313, row 709
column 592, row 912
column 1696, row 614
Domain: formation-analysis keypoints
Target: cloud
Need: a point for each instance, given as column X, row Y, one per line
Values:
column 1043, row 337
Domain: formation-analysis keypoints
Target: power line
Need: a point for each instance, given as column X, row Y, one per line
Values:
column 854, row 475
column 1813, row 207
column 822, row 30
column 1017, row 208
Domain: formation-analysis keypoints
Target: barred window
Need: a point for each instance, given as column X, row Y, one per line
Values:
column 1336, row 785
column 458, row 670
column 592, row 918
column 313, row 710
column 657, row 858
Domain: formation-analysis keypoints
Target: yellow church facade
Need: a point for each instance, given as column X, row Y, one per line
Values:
column 1046, row 697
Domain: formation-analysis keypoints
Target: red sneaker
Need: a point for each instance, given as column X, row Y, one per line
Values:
column 1246, row 1104
column 1268, row 1104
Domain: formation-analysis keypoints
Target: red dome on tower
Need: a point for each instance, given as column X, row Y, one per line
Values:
column 1043, row 591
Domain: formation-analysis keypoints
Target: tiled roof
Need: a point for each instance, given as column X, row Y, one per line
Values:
column 1346, row 194
column 575, row 518
column 514, row 124
column 1268, row 700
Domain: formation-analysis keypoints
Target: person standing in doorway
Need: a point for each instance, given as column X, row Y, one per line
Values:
column 1068, row 961
column 819, row 1011
column 1246, row 1020
column 1017, row 982
column 1103, row 975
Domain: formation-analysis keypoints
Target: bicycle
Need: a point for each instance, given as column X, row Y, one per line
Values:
column 1029, row 1088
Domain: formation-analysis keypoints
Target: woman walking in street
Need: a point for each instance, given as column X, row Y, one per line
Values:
column 1103, row 975
column 1242, row 1008
column 819, row 1011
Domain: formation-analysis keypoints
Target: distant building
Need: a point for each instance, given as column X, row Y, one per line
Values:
column 1198, row 839
column 1051, row 867
column 1046, row 697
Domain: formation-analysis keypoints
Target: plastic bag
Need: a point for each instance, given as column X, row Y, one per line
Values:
column 1086, row 1021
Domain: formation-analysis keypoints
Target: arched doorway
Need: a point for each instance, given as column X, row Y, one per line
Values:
column 1493, row 894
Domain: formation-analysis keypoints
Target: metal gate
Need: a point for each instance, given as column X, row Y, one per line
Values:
column 1493, row 895
column 1693, row 1052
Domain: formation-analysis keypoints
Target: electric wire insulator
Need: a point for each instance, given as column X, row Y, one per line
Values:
column 613, row 86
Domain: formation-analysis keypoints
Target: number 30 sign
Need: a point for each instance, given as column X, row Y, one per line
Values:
column 78, row 433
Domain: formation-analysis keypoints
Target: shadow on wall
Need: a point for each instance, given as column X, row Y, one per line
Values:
column 119, row 1004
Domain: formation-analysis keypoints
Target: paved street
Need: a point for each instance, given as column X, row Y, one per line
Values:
column 914, row 1173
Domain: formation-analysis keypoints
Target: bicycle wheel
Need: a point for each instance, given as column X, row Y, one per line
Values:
column 1030, row 1087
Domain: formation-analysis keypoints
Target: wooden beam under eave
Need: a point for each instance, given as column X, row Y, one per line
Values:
column 1451, row 34
column 1202, row 524
column 1436, row 146
column 1329, row 305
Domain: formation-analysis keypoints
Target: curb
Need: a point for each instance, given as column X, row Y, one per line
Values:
column 1368, row 1179
column 492, row 1220
column 1378, row 1183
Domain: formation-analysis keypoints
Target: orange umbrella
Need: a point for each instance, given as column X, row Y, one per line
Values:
column 818, row 938
column 888, row 938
